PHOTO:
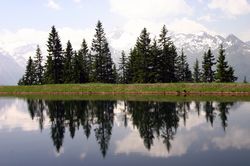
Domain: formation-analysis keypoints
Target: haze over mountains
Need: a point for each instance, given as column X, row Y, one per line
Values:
column 12, row 65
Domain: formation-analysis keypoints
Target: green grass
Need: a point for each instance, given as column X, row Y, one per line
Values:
column 129, row 88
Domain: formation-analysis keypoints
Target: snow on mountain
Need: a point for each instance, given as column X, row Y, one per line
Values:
column 194, row 45
column 10, row 70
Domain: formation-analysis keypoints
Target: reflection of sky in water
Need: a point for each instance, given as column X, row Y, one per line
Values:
column 22, row 141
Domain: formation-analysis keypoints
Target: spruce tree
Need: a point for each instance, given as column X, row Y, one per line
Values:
column 102, row 68
column 154, row 64
column 207, row 66
column 143, row 51
column 167, row 57
column 131, row 66
column 224, row 72
column 122, row 68
column 48, row 73
column 68, row 67
column 85, row 65
column 75, row 68
column 39, row 69
column 196, row 73
column 55, row 51
column 245, row 79
column 29, row 77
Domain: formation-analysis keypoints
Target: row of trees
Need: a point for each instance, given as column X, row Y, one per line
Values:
column 150, row 61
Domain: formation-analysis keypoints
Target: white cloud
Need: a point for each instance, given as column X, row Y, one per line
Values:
column 185, row 25
column 231, row 7
column 236, row 137
column 149, row 8
column 207, row 18
column 52, row 4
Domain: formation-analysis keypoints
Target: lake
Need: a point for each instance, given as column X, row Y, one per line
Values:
column 118, row 132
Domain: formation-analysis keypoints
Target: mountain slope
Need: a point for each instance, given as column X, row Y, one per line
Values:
column 10, row 70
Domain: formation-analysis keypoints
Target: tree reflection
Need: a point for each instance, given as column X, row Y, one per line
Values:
column 152, row 119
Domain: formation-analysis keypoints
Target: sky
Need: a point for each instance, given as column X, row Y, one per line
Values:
column 30, row 20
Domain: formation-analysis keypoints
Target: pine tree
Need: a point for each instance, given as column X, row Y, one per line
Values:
column 224, row 72
column 75, row 68
column 154, row 64
column 55, row 51
column 167, row 57
column 122, row 68
column 68, row 67
column 29, row 77
column 102, row 68
column 131, row 66
column 207, row 66
column 85, row 65
column 142, row 57
column 39, row 70
column 48, row 73
column 183, row 73
column 196, row 73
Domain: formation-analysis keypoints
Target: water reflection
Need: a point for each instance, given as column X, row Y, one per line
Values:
column 154, row 120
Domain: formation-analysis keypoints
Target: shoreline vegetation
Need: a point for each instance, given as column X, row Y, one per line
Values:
column 167, row 89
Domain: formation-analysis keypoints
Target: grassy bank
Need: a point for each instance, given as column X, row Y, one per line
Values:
column 160, row 89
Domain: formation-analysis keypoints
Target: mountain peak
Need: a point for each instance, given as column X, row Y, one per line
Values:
column 233, row 38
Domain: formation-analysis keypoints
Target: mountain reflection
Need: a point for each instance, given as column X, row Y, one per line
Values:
column 154, row 120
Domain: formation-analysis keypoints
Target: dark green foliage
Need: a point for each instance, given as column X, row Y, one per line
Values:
column 39, row 70
column 224, row 72
column 55, row 51
column 123, row 68
column 48, row 73
column 207, row 67
column 154, row 65
column 197, row 72
column 75, row 68
column 29, row 77
column 183, row 73
column 85, row 65
column 102, row 67
column 68, row 67
column 167, row 58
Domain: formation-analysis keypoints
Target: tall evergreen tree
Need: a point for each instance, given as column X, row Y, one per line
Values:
column 207, row 66
column 55, row 51
column 154, row 65
column 68, row 67
column 224, row 72
column 85, row 65
column 131, row 66
column 75, row 68
column 167, row 57
column 197, row 72
column 39, row 70
column 29, row 77
column 48, row 72
column 183, row 72
column 123, row 68
column 143, row 51
column 102, row 69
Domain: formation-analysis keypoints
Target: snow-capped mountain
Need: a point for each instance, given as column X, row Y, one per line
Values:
column 10, row 70
column 12, row 64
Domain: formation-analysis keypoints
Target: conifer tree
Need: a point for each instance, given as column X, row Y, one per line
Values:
column 102, row 68
column 85, row 65
column 167, row 57
column 75, row 68
column 131, row 66
column 207, row 66
column 224, row 72
column 245, row 79
column 48, row 73
column 122, row 68
column 197, row 72
column 154, row 64
column 55, row 51
column 143, row 51
column 39, row 70
column 68, row 67
column 183, row 71
column 29, row 77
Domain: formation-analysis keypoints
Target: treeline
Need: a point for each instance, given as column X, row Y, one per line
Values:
column 149, row 61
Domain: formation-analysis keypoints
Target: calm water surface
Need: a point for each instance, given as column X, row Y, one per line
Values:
column 45, row 132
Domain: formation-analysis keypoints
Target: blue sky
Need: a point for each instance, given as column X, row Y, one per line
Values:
column 222, row 17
